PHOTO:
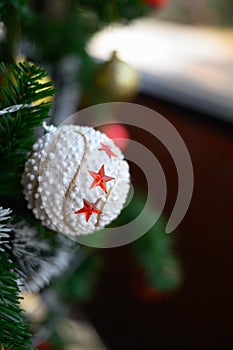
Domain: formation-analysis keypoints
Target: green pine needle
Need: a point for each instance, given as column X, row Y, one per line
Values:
column 21, row 84
column 14, row 333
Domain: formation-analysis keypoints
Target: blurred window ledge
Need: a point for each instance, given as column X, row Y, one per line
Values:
column 182, row 63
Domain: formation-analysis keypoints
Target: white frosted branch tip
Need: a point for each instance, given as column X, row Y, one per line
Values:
column 14, row 108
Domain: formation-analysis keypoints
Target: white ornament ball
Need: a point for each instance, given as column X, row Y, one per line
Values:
column 76, row 180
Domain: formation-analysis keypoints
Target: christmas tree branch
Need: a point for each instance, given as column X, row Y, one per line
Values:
column 22, row 109
column 14, row 333
column 22, row 105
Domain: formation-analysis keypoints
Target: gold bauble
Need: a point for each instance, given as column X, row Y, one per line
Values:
column 116, row 80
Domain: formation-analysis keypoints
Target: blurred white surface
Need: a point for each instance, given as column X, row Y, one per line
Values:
column 186, row 64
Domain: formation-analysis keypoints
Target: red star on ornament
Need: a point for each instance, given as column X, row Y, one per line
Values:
column 100, row 179
column 89, row 209
column 107, row 150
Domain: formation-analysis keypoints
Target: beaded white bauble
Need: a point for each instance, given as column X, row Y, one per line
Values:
column 76, row 180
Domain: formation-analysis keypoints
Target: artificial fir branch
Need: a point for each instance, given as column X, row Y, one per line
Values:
column 22, row 109
column 21, row 85
column 39, row 253
column 14, row 333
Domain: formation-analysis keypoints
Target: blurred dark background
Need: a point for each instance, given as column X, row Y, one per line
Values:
column 198, row 315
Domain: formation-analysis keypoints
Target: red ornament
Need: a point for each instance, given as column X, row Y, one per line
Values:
column 45, row 346
column 107, row 149
column 118, row 133
column 144, row 291
column 151, row 295
column 100, row 179
column 157, row 3
column 89, row 209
